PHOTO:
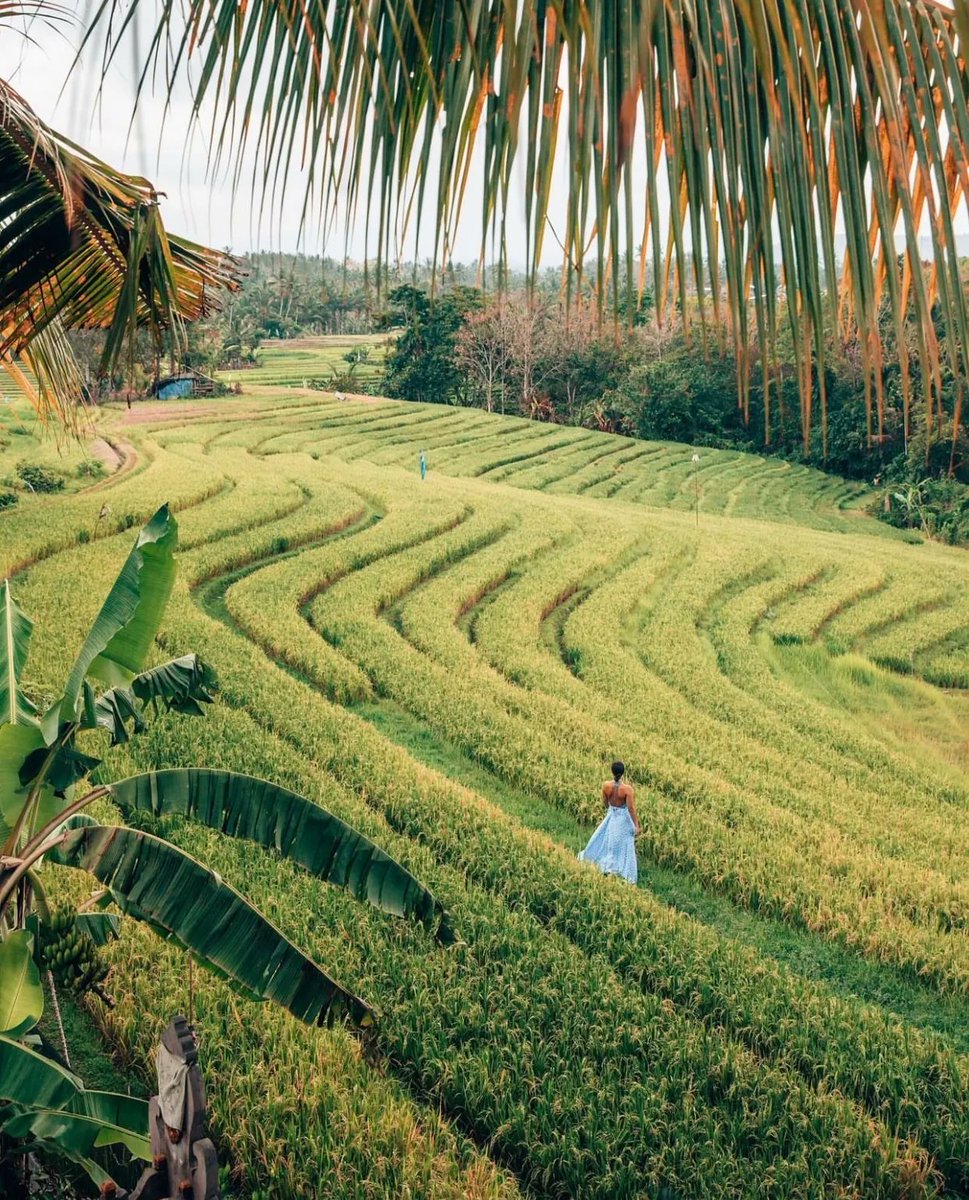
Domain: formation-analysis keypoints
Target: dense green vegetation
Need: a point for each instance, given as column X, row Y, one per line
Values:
column 449, row 665
column 533, row 355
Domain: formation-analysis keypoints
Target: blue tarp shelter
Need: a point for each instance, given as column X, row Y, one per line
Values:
column 183, row 384
column 175, row 389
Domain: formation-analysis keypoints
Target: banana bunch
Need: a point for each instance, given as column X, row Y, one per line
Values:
column 70, row 954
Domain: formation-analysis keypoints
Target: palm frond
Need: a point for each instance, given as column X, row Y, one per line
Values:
column 20, row 13
column 770, row 131
column 83, row 246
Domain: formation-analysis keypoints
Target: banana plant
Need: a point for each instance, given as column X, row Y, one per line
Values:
column 44, row 792
column 43, row 1105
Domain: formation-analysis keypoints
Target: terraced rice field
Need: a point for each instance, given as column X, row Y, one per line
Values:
column 779, row 1010
column 288, row 362
column 24, row 439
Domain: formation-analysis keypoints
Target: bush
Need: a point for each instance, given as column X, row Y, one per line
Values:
column 8, row 500
column 938, row 508
column 683, row 397
column 39, row 479
column 92, row 468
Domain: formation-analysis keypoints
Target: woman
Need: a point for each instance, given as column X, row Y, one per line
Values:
column 612, row 847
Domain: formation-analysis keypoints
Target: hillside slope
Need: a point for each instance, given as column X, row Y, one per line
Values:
column 545, row 600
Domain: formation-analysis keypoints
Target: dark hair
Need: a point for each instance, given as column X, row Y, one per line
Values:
column 618, row 770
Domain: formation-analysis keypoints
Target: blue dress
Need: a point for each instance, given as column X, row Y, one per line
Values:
column 613, row 845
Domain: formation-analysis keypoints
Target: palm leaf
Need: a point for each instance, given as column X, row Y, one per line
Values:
column 764, row 129
column 244, row 807
column 189, row 905
column 84, row 246
column 24, row 12
column 125, row 628
column 21, row 995
column 15, row 628
column 47, row 374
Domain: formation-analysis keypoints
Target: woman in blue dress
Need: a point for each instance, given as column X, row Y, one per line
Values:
column 612, row 847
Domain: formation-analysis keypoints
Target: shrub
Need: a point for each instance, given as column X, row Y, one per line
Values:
column 936, row 507
column 8, row 500
column 39, row 479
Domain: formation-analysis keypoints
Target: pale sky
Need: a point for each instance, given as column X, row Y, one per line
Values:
column 196, row 206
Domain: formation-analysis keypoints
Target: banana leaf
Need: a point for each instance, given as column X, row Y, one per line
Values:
column 245, row 807
column 76, row 1134
column 83, row 1123
column 100, row 927
column 28, row 1078
column 113, row 1108
column 180, row 685
column 65, row 766
column 118, row 711
column 17, row 744
column 21, row 994
column 191, row 906
column 123, row 632
column 15, row 708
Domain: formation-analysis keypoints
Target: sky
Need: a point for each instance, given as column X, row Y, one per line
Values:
column 197, row 203
column 158, row 146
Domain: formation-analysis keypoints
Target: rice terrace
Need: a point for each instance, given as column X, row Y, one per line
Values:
column 484, row 606
column 440, row 663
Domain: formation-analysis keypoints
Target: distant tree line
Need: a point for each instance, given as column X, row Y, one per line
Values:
column 524, row 351
column 529, row 354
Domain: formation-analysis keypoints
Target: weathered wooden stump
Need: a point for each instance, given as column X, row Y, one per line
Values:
column 184, row 1163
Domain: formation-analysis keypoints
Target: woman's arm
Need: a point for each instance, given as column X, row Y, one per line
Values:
column 631, row 805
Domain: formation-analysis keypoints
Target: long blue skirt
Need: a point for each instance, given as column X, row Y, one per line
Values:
column 613, row 847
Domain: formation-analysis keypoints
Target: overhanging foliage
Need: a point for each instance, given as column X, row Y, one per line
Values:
column 83, row 246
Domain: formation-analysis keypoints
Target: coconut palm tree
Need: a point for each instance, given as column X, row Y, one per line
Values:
column 773, row 132
column 82, row 246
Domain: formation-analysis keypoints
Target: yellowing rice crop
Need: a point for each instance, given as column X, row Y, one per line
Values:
column 545, row 600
